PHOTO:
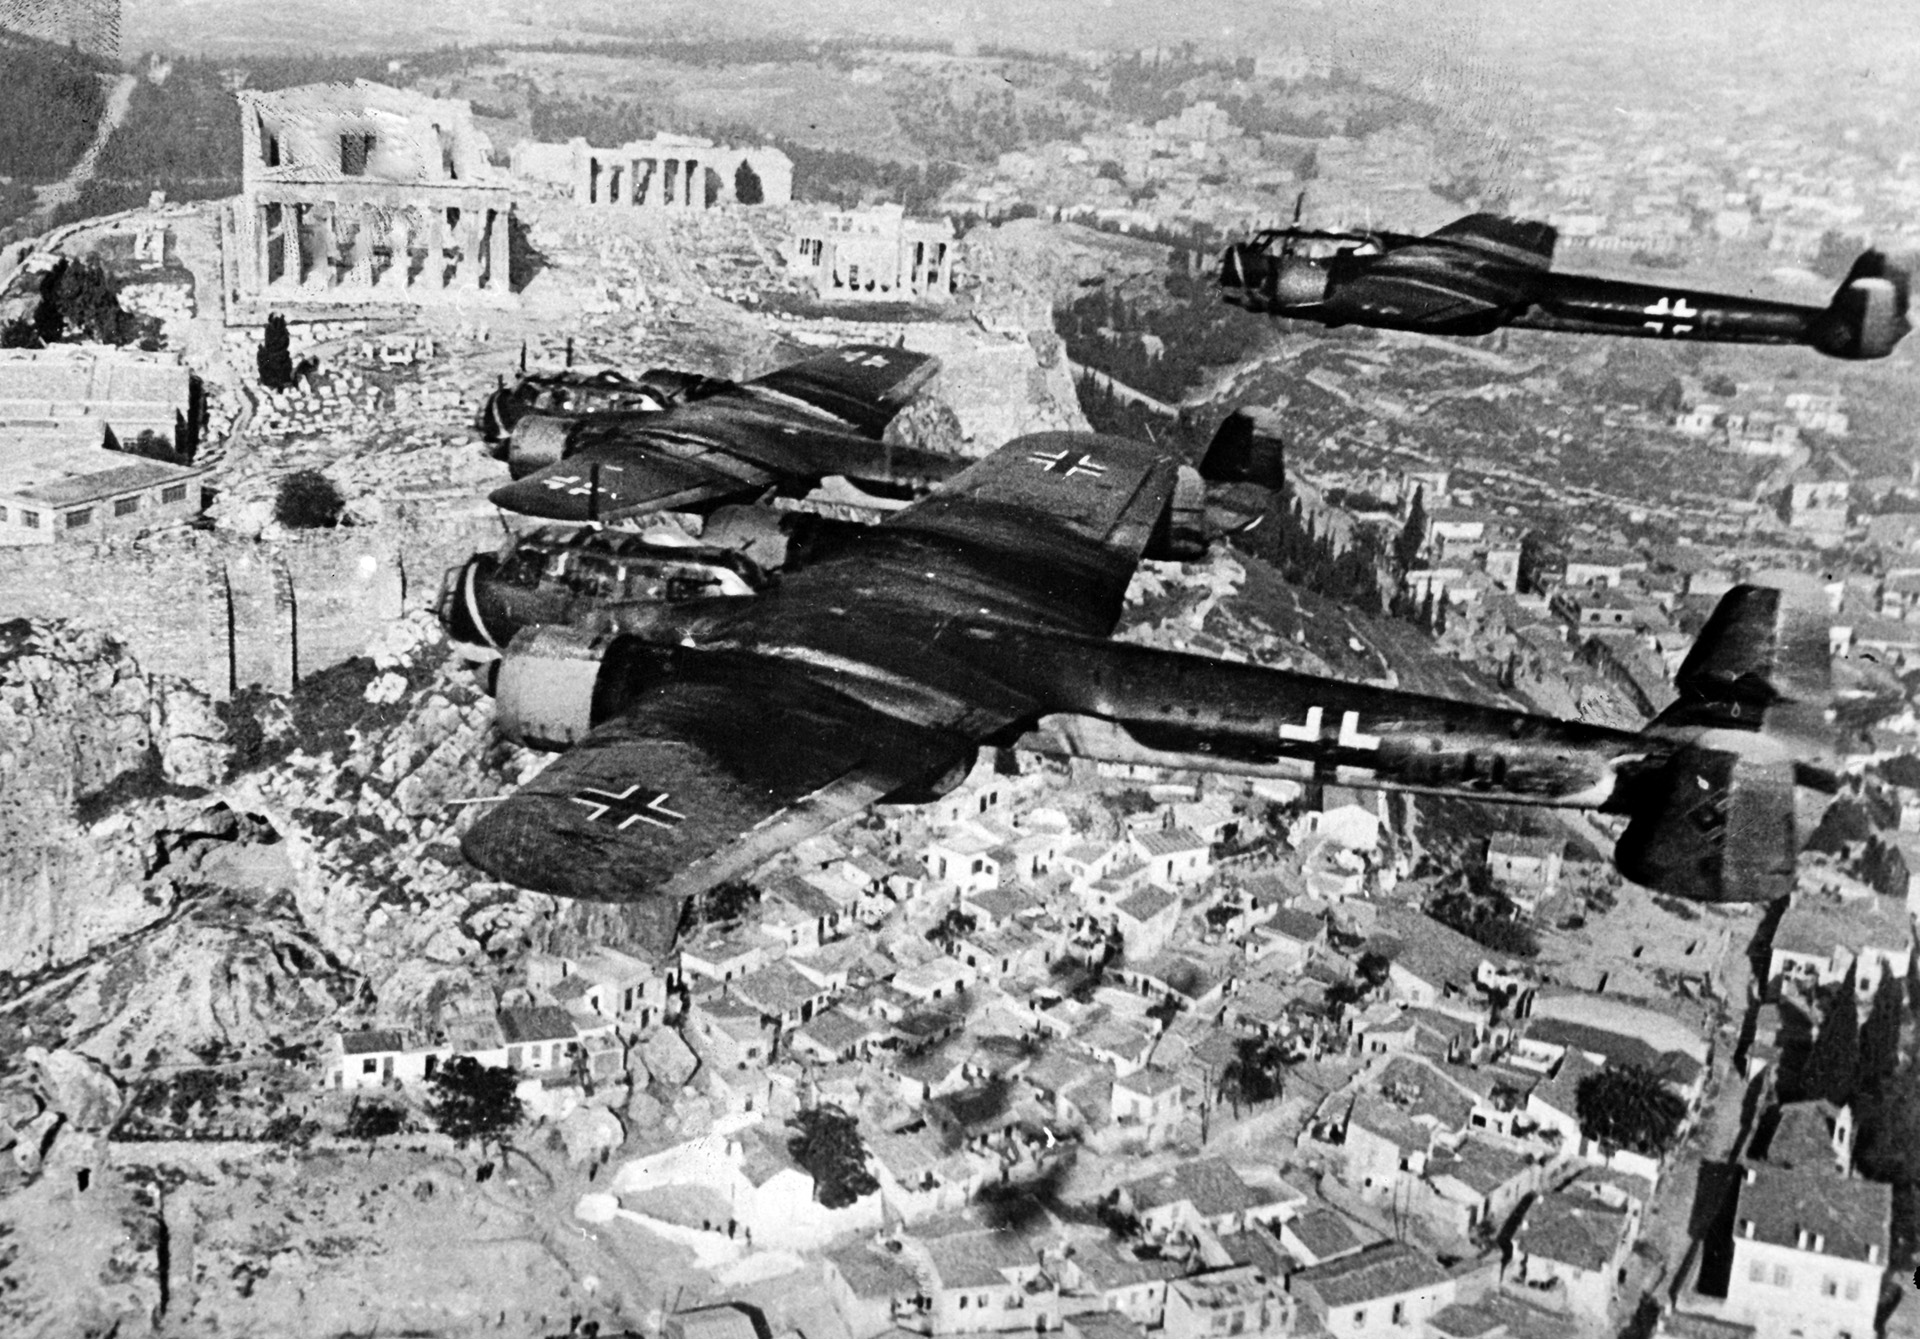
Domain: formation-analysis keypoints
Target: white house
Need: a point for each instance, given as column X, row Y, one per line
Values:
column 1809, row 1254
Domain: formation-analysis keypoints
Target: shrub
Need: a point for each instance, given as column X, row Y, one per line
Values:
column 275, row 359
column 308, row 500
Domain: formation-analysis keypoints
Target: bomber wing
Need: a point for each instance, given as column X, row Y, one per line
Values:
column 835, row 689
column 1525, row 242
column 862, row 385
column 725, row 762
column 616, row 476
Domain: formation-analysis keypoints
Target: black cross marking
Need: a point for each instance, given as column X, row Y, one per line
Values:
column 631, row 807
column 1672, row 317
column 1068, row 463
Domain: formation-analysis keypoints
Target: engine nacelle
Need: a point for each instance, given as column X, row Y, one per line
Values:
column 556, row 683
column 1297, row 282
column 537, row 441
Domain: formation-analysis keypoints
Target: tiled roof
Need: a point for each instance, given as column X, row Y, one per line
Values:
column 1419, row 1089
column 871, row 1273
column 1571, row 1229
column 1147, row 903
column 1816, row 924
column 834, row 1030
column 1171, row 841
column 1500, row 1315
column 1480, row 1165
column 373, row 1041
column 1845, row 1216
column 1300, row 926
column 976, row 1259
column 777, row 988
column 1104, row 1325
column 1326, row 1233
column 537, row 1022
column 1150, row 1081
column 1210, row 1185
column 1108, row 1264
column 1616, row 1048
column 713, row 1322
column 1392, row 1269
column 1435, row 953
column 1513, row 843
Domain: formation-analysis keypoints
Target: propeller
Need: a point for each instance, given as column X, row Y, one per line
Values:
column 1291, row 238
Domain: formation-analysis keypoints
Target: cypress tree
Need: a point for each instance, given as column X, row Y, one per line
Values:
column 1413, row 535
column 275, row 360
column 1880, row 1035
column 1833, row 1065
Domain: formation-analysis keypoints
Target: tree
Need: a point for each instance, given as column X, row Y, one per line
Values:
column 1255, row 1074
column 275, row 359
column 1373, row 969
column 826, row 1145
column 1889, row 1144
column 1832, row 1070
column 308, row 500
column 1630, row 1106
column 1413, row 535
column 373, row 1121
column 477, row 1102
column 747, row 188
column 951, row 927
column 1880, row 1034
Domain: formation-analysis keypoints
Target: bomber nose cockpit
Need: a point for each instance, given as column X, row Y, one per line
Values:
column 1288, row 267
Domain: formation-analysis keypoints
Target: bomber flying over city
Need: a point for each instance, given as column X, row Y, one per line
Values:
column 1483, row 272
column 705, row 736
column 602, row 446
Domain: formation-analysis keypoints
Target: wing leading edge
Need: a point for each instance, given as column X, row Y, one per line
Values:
column 725, row 761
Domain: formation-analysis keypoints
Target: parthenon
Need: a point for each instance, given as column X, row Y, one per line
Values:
column 359, row 192
column 678, row 172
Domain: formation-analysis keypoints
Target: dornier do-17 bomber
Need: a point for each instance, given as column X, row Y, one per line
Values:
column 603, row 447
column 710, row 735
column 1484, row 271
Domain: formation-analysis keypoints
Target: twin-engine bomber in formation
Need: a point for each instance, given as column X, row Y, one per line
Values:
column 1483, row 272
column 704, row 736
column 602, row 446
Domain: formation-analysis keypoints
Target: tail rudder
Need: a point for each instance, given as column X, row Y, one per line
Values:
column 1868, row 314
column 1711, row 808
column 1244, row 451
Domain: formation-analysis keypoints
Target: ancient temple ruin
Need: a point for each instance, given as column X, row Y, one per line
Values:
column 677, row 172
column 360, row 192
column 875, row 254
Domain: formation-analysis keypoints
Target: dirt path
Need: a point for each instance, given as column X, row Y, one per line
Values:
column 67, row 189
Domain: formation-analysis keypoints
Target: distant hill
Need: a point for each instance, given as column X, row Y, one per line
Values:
column 88, row 26
column 51, row 98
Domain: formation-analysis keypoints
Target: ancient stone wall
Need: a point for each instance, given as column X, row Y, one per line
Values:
column 223, row 613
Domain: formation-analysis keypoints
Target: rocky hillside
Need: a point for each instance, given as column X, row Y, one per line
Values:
column 182, row 886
